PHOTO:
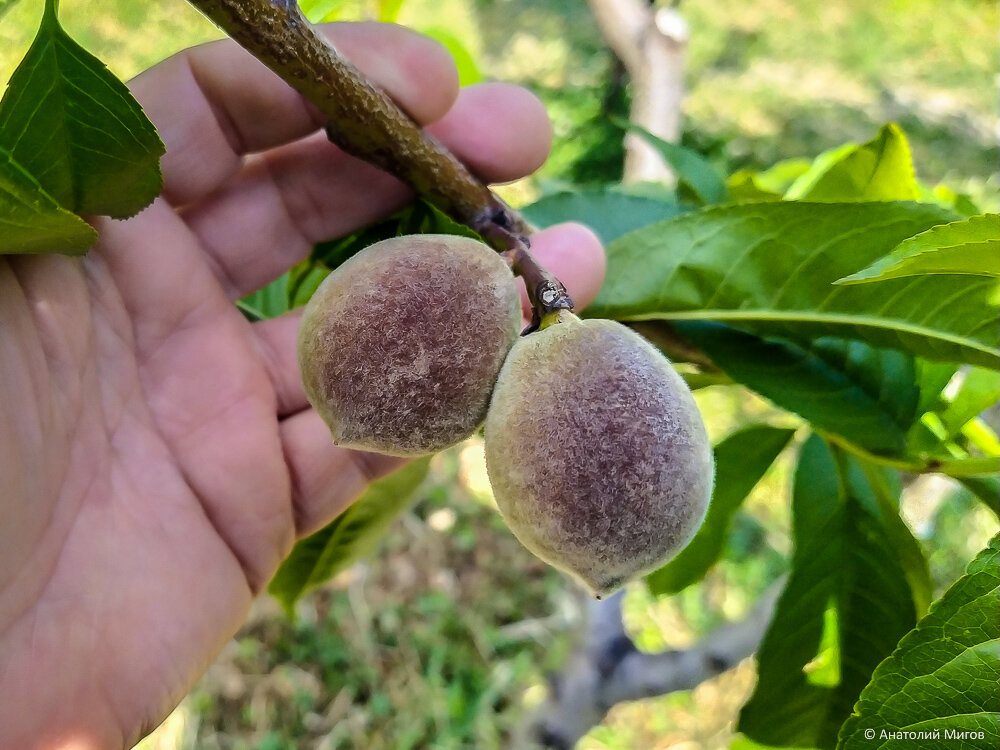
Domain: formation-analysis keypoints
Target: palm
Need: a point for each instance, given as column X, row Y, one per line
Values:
column 157, row 452
column 155, row 473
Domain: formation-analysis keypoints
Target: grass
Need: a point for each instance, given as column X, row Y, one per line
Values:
column 430, row 644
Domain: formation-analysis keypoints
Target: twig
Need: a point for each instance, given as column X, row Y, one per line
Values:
column 363, row 120
column 366, row 123
column 545, row 292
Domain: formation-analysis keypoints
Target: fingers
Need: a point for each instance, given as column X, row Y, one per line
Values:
column 214, row 103
column 325, row 478
column 570, row 251
column 477, row 131
column 269, row 217
column 275, row 339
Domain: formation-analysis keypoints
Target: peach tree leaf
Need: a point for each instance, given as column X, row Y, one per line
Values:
column 879, row 170
column 941, row 681
column 6, row 5
column 866, row 394
column 845, row 607
column 609, row 212
column 696, row 176
column 769, row 268
column 741, row 460
column 76, row 128
column 350, row 536
column 969, row 247
column 30, row 219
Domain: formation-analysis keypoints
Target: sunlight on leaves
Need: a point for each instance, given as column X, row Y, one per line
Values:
column 30, row 219
column 962, row 247
column 769, row 268
column 943, row 675
column 76, row 128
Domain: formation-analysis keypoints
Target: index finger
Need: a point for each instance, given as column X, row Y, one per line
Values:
column 215, row 103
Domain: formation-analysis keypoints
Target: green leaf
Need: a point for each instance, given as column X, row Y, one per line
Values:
column 388, row 10
column 419, row 218
column 741, row 460
column 744, row 187
column 819, row 166
column 609, row 212
column 349, row 537
column 780, row 175
column 319, row 11
column 304, row 279
column 692, row 169
column 980, row 389
column 769, row 268
column 880, row 170
column 31, row 221
column 428, row 219
column 77, row 129
column 865, row 394
column 932, row 377
column 269, row 302
column 883, row 486
column 960, row 203
column 697, row 380
column 332, row 253
column 979, row 436
column 468, row 71
column 942, row 678
column 844, row 608
column 6, row 5
column 945, row 420
column 971, row 467
column 970, row 247
column 769, row 185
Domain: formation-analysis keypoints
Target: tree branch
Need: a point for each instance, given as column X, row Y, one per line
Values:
column 366, row 123
column 363, row 120
column 607, row 669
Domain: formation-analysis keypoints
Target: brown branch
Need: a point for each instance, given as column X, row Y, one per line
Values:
column 606, row 668
column 366, row 123
column 363, row 120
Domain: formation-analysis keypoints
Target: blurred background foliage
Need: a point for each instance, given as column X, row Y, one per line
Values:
column 767, row 80
column 444, row 638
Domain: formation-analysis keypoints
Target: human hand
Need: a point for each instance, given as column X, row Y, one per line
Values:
column 157, row 455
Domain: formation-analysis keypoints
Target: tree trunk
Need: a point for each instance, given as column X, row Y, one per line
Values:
column 650, row 43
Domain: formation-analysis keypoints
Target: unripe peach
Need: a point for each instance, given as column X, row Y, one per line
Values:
column 400, row 346
column 596, row 451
